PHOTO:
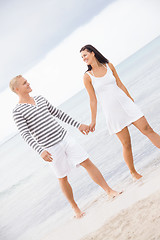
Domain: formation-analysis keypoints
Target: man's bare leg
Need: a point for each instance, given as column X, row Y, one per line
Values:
column 97, row 177
column 67, row 190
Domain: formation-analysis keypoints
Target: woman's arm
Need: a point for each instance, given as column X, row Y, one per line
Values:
column 118, row 81
column 93, row 100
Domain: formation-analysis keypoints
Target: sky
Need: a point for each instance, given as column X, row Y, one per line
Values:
column 42, row 39
column 31, row 28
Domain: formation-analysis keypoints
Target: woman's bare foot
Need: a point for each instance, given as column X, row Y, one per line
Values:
column 136, row 175
column 78, row 213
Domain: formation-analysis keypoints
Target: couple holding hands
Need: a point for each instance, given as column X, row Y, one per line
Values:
column 35, row 118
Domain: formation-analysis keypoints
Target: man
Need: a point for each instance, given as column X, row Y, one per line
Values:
column 35, row 119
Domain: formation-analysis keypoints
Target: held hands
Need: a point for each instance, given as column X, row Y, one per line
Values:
column 46, row 156
column 84, row 129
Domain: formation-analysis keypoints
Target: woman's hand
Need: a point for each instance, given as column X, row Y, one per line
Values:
column 92, row 126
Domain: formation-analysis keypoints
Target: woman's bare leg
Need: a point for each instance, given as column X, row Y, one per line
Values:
column 145, row 128
column 97, row 177
column 125, row 139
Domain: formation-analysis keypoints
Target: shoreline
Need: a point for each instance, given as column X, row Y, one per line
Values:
column 138, row 219
column 133, row 215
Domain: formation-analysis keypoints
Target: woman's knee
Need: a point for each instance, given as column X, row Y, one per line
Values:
column 124, row 138
column 127, row 145
column 146, row 129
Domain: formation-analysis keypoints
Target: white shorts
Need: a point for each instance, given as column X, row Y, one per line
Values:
column 66, row 154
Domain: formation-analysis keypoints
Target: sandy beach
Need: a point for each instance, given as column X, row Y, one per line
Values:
column 140, row 221
column 139, row 217
column 134, row 215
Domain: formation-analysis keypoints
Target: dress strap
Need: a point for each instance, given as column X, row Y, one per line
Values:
column 90, row 74
column 104, row 65
column 91, row 77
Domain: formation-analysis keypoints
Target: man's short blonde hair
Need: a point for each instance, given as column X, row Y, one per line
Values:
column 14, row 82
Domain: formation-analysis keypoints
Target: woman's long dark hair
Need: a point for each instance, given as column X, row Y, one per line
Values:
column 98, row 55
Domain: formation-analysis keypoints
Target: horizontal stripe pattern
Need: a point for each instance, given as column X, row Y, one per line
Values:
column 37, row 123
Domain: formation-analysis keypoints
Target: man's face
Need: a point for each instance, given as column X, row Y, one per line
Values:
column 23, row 86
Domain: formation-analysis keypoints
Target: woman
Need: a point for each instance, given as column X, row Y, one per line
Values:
column 101, row 80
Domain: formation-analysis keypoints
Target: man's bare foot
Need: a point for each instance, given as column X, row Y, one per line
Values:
column 112, row 194
column 136, row 175
column 78, row 213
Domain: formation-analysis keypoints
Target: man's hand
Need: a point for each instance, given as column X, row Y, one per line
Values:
column 84, row 129
column 46, row 156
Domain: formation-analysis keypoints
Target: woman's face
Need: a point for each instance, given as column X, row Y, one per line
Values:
column 87, row 57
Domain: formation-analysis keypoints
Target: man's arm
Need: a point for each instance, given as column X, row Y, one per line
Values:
column 62, row 115
column 24, row 131
column 66, row 118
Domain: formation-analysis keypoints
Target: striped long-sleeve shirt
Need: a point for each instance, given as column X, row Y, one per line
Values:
column 37, row 123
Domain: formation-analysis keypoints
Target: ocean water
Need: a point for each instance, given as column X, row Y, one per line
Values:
column 31, row 202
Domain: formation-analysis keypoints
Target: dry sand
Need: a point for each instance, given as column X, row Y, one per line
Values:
column 134, row 215
column 139, row 222
column 139, row 219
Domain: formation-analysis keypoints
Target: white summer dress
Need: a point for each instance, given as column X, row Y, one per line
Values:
column 119, row 110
